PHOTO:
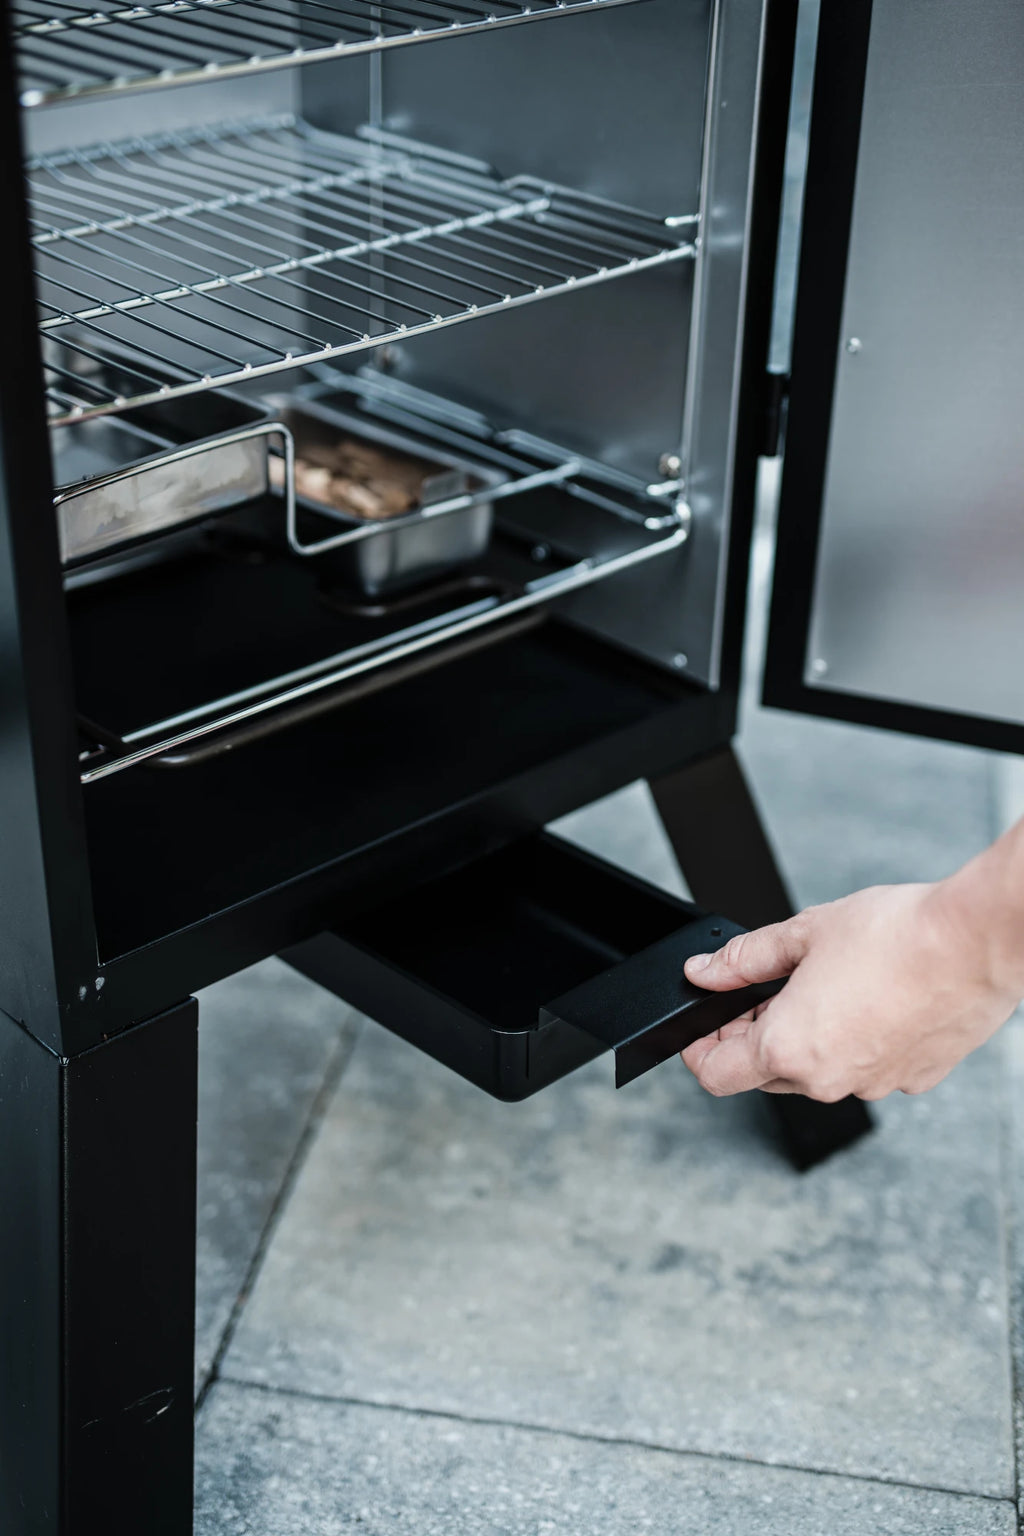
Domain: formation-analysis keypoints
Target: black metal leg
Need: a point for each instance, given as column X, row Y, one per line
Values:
column 97, row 1282
column 727, row 861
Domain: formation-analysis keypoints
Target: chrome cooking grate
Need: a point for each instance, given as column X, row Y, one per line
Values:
column 67, row 50
column 223, row 254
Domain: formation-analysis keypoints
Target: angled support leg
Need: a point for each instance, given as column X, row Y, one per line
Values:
column 728, row 863
column 97, row 1282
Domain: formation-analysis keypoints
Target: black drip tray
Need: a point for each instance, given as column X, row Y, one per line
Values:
column 528, row 963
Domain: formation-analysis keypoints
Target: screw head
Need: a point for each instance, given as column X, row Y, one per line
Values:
column 680, row 661
column 819, row 666
column 854, row 345
column 670, row 466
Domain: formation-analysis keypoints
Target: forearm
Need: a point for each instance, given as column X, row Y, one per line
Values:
column 983, row 904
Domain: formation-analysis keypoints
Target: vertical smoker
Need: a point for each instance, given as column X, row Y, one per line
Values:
column 383, row 391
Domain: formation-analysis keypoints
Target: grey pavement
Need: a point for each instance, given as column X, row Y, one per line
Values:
column 638, row 1266
column 612, row 1313
column 270, row 1050
column 276, row 1466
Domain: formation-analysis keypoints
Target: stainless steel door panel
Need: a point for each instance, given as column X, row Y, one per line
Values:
column 919, row 594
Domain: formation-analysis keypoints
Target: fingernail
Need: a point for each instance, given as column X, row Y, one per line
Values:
column 699, row 962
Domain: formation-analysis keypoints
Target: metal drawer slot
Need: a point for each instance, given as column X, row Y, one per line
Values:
column 528, row 963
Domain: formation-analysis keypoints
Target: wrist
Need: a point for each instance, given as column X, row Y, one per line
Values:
column 981, row 908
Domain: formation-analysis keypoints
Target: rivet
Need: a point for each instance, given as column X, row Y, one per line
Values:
column 681, row 661
column 819, row 666
column 854, row 345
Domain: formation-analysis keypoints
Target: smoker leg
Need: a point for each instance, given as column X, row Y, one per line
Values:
column 724, row 854
column 97, row 1282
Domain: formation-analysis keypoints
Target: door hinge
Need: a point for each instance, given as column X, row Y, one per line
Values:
column 775, row 411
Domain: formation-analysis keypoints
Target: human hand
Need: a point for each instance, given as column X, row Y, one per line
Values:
column 888, row 989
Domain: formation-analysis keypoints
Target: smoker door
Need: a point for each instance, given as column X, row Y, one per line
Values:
column 899, row 586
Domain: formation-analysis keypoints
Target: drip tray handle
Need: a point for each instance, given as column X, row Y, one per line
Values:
column 646, row 1011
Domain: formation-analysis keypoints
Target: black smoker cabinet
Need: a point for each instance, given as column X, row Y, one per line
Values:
column 523, row 256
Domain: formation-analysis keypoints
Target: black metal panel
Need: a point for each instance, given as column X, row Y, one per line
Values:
column 129, row 1145
column 717, row 835
column 47, row 951
column 97, row 1284
column 30, row 1284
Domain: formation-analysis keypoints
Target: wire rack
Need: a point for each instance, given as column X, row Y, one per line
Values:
column 224, row 254
column 67, row 50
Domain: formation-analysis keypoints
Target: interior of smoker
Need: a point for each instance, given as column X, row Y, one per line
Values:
column 512, row 261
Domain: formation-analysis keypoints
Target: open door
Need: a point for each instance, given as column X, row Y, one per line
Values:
column 899, row 585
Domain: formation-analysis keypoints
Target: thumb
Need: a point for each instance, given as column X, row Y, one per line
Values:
column 767, row 954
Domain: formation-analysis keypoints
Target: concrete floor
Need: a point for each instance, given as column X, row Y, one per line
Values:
column 422, row 1311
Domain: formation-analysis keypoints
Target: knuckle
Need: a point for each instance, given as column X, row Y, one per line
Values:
column 733, row 953
column 711, row 1078
column 812, row 1079
column 780, row 1058
column 828, row 1093
column 802, row 925
column 915, row 1089
column 805, row 927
